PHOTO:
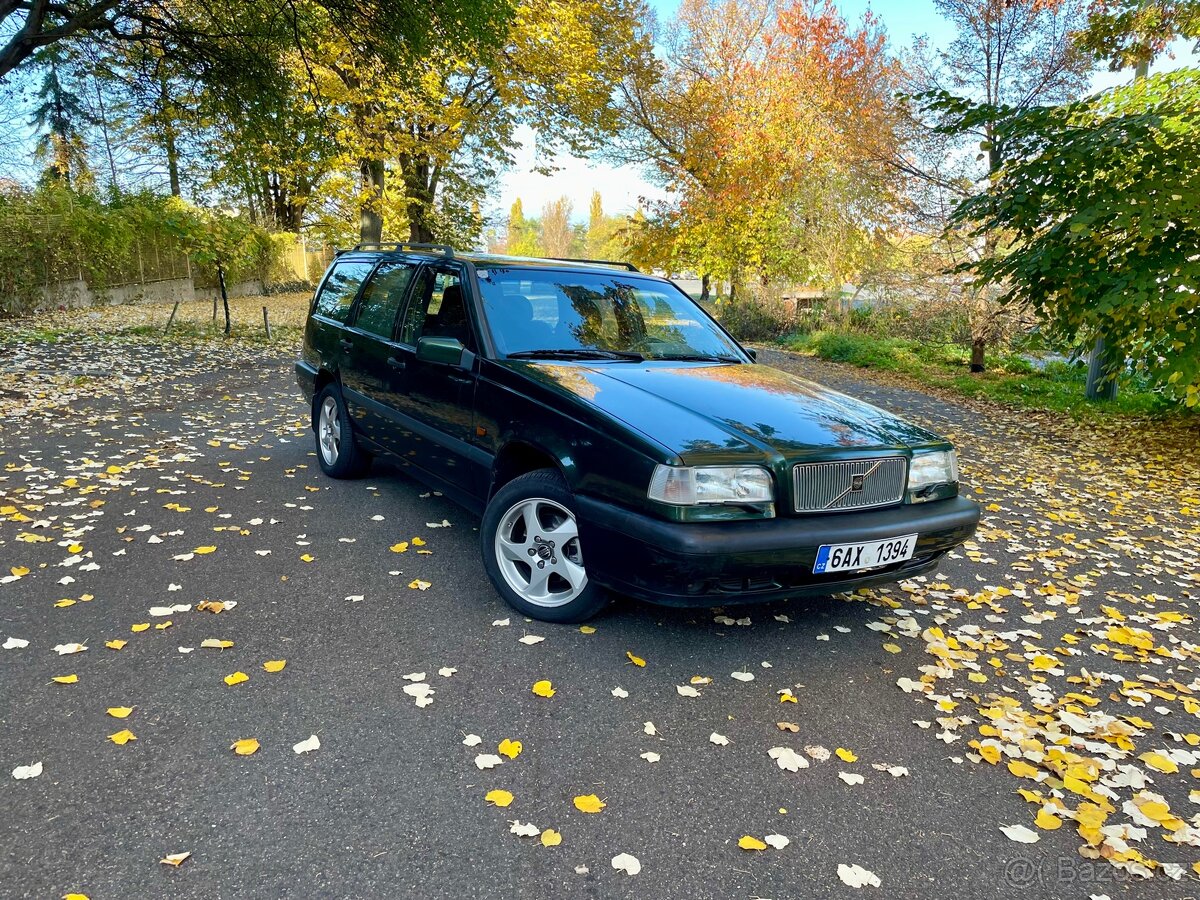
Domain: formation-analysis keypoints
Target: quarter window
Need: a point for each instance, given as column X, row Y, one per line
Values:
column 338, row 292
column 382, row 297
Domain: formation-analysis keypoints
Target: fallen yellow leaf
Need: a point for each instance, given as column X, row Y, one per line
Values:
column 275, row 665
column 307, row 557
column 236, row 678
column 892, row 648
column 202, row 551
column 746, row 842
column 19, row 571
column 115, row 644
column 75, row 548
column 162, row 626
column 139, row 628
column 174, row 859
column 499, row 798
column 119, row 712
column 1022, row 769
column 122, row 737
column 419, row 585
column 636, row 660
column 845, row 755
column 418, row 542
column 1159, row 763
column 245, row 747
column 511, row 749
column 583, row 629
column 990, row 752
column 589, row 803
column 551, row 838
column 1047, row 821
column 65, row 679
column 61, row 604
column 543, row 688
column 401, row 547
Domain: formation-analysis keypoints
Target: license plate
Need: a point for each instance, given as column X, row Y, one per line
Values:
column 867, row 555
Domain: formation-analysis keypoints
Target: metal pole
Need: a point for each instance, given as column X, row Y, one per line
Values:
column 266, row 323
column 170, row 321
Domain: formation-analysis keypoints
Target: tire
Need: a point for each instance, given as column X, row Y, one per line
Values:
column 337, row 452
column 541, row 574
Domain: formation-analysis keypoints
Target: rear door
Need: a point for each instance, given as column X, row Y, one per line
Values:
column 436, row 407
column 373, row 370
column 324, row 330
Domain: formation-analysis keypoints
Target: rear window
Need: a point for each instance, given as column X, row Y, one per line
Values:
column 340, row 288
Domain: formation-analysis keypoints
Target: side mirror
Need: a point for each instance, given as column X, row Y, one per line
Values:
column 446, row 351
column 752, row 353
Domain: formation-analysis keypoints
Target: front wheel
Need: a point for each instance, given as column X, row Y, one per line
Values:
column 532, row 551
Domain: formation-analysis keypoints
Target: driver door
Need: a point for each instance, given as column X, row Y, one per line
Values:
column 436, row 408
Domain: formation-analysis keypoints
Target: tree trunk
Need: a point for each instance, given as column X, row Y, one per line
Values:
column 705, row 283
column 370, row 213
column 1101, row 374
column 978, row 349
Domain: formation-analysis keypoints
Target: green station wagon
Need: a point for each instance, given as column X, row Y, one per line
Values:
column 613, row 436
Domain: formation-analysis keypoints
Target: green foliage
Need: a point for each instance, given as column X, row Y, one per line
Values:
column 1129, row 33
column 1012, row 379
column 53, row 234
column 755, row 320
column 1100, row 204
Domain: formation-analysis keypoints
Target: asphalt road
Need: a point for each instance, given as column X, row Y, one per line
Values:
column 393, row 804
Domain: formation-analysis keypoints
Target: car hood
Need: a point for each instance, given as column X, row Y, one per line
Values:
column 712, row 412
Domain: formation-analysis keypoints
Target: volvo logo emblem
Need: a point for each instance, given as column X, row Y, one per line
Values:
column 856, row 482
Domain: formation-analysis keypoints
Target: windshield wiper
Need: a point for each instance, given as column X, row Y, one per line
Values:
column 577, row 353
column 701, row 357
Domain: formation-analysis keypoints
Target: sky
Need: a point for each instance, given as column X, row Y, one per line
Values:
column 622, row 188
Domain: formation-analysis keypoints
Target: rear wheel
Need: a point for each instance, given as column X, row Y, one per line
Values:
column 532, row 551
column 339, row 455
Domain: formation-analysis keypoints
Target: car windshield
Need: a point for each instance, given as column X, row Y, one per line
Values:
column 596, row 315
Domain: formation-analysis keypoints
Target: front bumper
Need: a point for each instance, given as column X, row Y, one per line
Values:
column 712, row 563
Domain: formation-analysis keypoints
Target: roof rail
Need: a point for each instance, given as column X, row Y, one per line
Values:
column 629, row 267
column 444, row 249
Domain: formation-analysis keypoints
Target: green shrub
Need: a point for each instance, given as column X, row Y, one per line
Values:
column 755, row 320
column 53, row 234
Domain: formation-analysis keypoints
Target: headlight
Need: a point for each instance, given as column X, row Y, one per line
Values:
column 929, row 469
column 692, row 486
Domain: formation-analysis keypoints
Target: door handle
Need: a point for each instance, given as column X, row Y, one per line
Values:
column 395, row 363
column 346, row 345
column 460, row 379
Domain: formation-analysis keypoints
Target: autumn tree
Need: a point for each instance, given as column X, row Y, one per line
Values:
column 772, row 127
column 556, row 227
column 1017, row 54
column 444, row 124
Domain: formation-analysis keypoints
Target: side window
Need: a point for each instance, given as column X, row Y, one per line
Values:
column 438, row 308
column 337, row 294
column 382, row 297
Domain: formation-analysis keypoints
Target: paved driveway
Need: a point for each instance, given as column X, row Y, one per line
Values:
column 1047, row 657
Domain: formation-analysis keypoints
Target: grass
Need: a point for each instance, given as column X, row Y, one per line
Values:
column 147, row 321
column 1010, row 379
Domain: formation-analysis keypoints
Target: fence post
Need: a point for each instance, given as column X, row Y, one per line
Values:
column 174, row 309
column 266, row 323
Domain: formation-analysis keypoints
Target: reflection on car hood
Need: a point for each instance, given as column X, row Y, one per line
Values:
column 715, row 411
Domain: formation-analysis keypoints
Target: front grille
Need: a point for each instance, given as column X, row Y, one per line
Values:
column 827, row 486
